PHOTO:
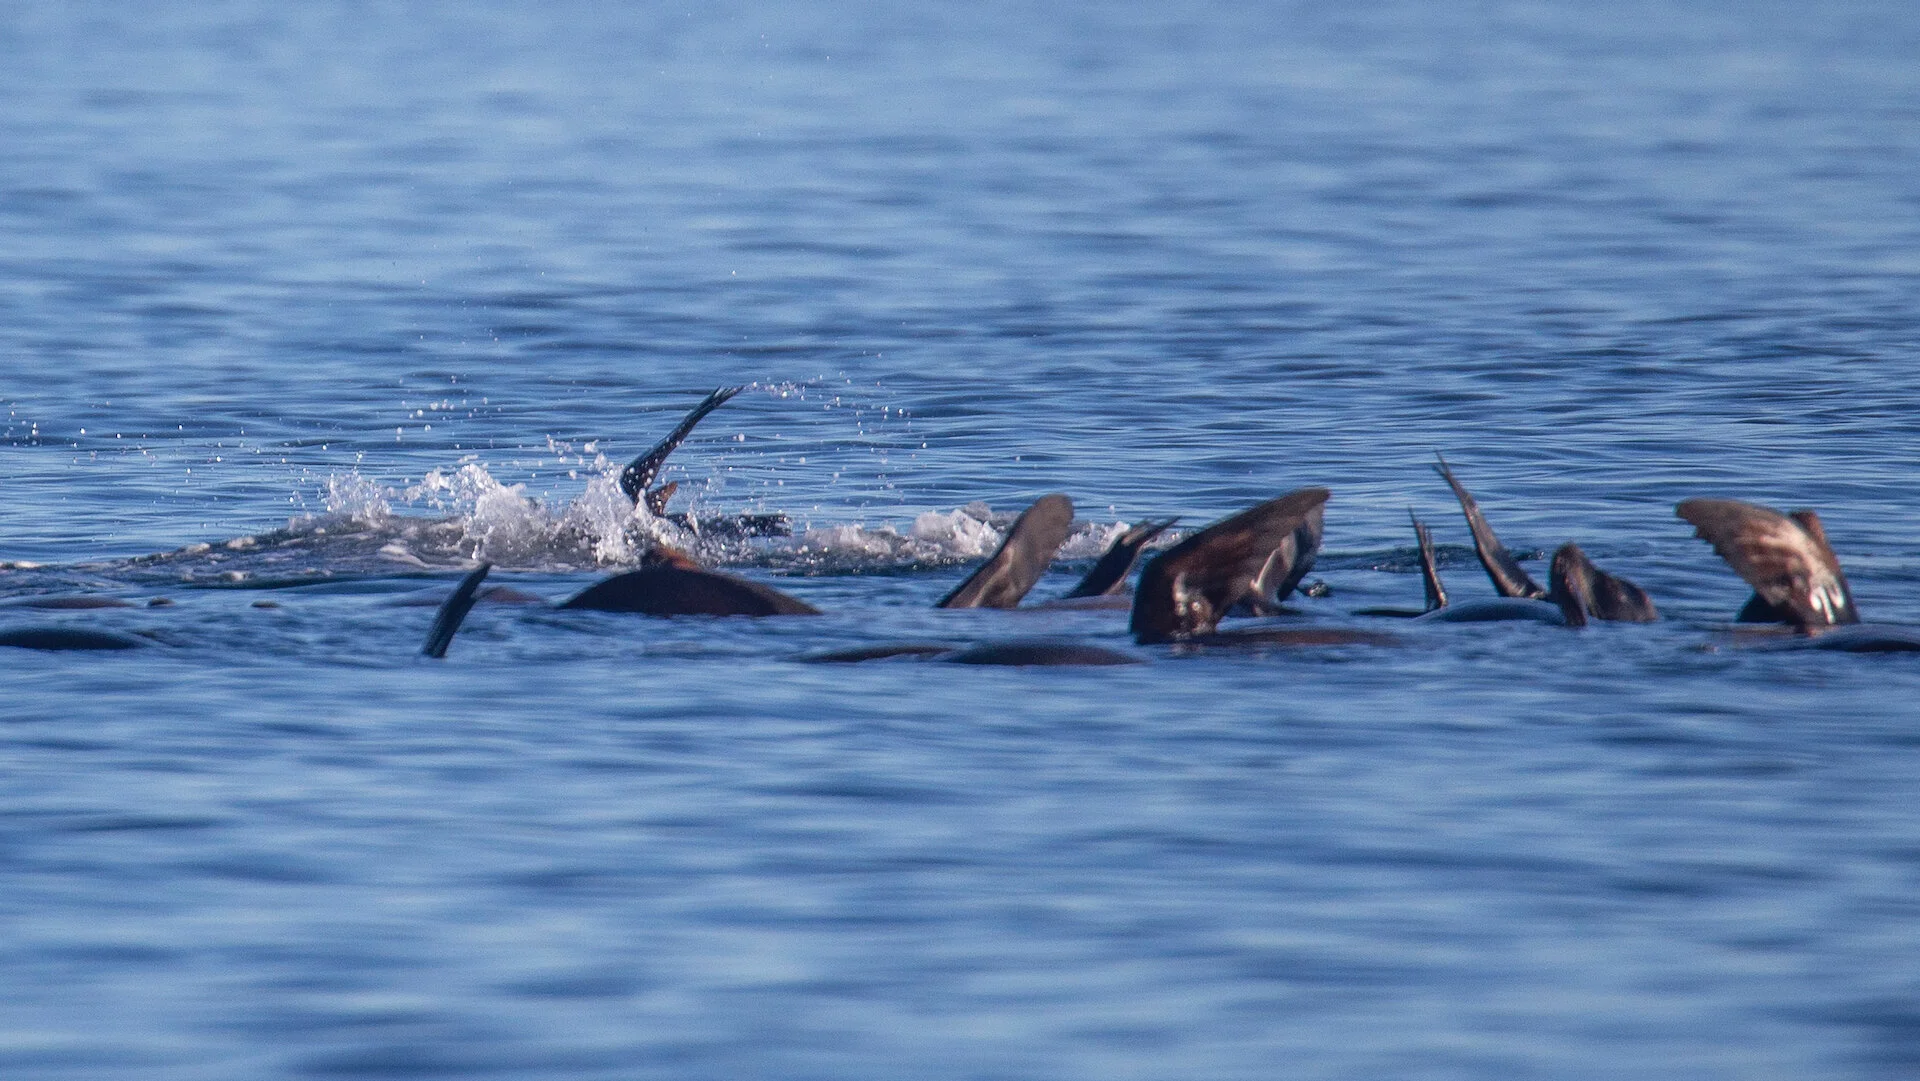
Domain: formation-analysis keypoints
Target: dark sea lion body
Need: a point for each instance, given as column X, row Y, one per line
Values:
column 884, row 652
column 1583, row 590
column 1186, row 590
column 670, row 590
column 1578, row 589
column 68, row 638
column 1497, row 610
column 1795, row 575
column 73, row 603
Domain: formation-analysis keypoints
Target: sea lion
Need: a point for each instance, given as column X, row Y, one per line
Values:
column 70, row 603
column 1582, row 590
column 1795, row 575
column 1021, row 559
column 1579, row 592
column 1855, row 638
column 1577, row 589
column 66, row 638
column 1185, row 590
column 671, row 589
column 1500, row 610
column 671, row 585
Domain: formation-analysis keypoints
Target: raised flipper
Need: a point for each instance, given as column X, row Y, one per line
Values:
column 673, row 590
column 1786, row 559
column 1583, row 590
column 1429, row 575
column 1429, row 565
column 1185, row 590
column 1757, row 609
column 640, row 472
column 453, row 612
column 1109, row 576
column 1509, row 580
column 657, row 498
column 1002, row 580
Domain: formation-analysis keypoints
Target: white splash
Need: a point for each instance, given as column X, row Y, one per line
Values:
column 352, row 497
column 962, row 533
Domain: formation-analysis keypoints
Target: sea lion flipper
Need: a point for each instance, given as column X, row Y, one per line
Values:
column 1185, row 590
column 657, row 498
column 446, row 623
column 640, row 472
column 1785, row 558
column 1109, row 576
column 1429, row 566
column 1508, row 578
column 1021, row 559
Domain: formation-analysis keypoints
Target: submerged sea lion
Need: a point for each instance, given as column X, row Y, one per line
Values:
column 1186, row 590
column 1037, row 652
column 70, row 602
column 669, row 589
column 672, row 585
column 1579, row 592
column 66, row 638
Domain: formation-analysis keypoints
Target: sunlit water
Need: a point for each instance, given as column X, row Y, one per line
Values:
column 302, row 310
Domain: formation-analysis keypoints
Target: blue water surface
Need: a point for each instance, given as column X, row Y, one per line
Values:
column 303, row 309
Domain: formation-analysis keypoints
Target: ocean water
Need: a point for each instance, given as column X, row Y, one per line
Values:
column 303, row 310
